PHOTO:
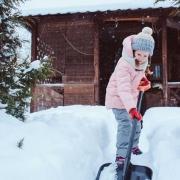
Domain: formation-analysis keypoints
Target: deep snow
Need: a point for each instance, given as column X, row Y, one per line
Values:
column 71, row 142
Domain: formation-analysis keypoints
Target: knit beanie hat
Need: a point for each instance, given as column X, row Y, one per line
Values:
column 144, row 41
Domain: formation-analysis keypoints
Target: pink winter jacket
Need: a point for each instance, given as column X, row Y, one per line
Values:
column 121, row 91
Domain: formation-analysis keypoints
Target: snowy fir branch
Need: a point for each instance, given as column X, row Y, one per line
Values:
column 175, row 2
column 20, row 143
column 17, row 76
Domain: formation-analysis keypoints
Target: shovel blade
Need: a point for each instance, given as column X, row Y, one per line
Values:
column 135, row 172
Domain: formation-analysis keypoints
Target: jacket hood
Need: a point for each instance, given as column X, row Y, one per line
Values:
column 127, row 54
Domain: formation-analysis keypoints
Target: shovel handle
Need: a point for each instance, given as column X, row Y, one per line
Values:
column 134, row 124
column 140, row 100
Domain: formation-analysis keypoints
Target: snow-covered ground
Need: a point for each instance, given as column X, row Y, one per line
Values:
column 71, row 142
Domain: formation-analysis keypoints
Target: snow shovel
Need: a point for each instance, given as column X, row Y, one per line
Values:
column 130, row 171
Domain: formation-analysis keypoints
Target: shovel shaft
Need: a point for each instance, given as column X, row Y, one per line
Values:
column 133, row 131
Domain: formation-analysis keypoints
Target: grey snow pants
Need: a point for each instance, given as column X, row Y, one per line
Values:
column 124, row 126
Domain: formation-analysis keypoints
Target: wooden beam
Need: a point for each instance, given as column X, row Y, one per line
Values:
column 174, row 84
column 140, row 19
column 33, row 57
column 33, row 101
column 173, row 24
column 164, row 61
column 34, row 42
column 96, row 64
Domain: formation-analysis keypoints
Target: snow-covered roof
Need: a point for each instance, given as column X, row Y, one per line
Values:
column 35, row 7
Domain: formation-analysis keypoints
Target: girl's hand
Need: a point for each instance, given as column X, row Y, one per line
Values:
column 144, row 84
column 135, row 114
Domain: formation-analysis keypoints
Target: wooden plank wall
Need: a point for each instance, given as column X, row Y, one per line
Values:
column 78, row 94
column 50, row 33
column 111, row 38
column 72, row 46
column 45, row 97
column 79, row 64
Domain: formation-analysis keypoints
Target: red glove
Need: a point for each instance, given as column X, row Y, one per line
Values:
column 135, row 114
column 144, row 85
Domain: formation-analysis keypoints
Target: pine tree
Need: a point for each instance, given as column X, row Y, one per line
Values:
column 17, row 76
column 175, row 2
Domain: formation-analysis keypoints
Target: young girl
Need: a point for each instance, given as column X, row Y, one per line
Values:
column 123, row 88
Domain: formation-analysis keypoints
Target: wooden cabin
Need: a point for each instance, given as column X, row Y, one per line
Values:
column 85, row 48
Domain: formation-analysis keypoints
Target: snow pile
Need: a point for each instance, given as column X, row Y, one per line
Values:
column 162, row 130
column 71, row 142
column 2, row 106
column 25, row 36
column 63, row 143
column 34, row 65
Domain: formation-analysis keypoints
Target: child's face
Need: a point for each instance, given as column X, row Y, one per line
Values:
column 141, row 57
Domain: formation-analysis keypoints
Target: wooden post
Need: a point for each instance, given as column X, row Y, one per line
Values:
column 164, row 61
column 34, row 41
column 33, row 57
column 33, row 101
column 96, row 64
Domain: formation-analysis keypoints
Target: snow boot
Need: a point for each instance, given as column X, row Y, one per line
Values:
column 136, row 150
column 120, row 162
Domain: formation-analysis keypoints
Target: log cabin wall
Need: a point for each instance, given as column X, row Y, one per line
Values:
column 173, row 67
column 86, row 47
column 163, row 91
column 111, row 38
column 71, row 42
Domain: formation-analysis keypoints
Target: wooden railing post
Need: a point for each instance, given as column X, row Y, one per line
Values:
column 164, row 61
column 96, row 64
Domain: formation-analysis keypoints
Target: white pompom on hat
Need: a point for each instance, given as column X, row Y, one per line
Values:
column 144, row 41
